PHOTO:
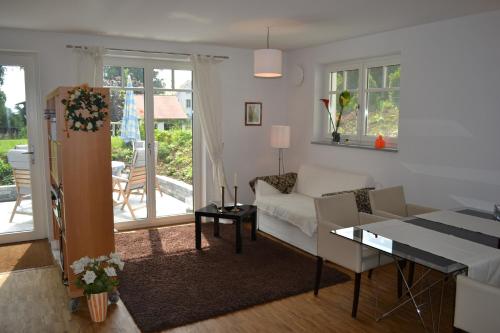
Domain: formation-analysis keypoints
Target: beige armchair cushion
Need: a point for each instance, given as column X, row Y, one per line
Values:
column 362, row 198
column 413, row 209
column 340, row 211
column 390, row 200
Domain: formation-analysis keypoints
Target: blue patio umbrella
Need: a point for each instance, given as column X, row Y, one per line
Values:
column 130, row 121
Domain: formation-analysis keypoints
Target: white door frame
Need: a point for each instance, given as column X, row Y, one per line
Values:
column 148, row 65
column 37, row 139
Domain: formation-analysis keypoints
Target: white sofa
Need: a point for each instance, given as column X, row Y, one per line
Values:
column 292, row 217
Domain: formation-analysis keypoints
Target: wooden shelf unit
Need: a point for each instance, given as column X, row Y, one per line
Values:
column 81, row 186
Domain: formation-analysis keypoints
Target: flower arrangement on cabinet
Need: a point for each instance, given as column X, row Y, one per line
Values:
column 344, row 99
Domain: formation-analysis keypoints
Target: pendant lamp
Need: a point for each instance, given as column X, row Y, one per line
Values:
column 267, row 62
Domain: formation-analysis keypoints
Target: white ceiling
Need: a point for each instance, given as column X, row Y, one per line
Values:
column 237, row 23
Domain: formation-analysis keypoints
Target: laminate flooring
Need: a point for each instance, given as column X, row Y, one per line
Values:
column 34, row 300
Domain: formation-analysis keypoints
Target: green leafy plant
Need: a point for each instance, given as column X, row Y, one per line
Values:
column 175, row 156
column 97, row 275
column 6, row 177
column 344, row 100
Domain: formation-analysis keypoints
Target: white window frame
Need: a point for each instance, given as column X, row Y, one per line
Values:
column 149, row 64
column 362, row 65
column 37, row 138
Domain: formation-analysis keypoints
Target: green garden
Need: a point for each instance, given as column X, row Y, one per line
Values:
column 174, row 152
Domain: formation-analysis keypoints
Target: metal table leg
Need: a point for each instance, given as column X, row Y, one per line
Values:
column 412, row 296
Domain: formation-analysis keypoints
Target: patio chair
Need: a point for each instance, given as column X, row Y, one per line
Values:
column 141, row 160
column 20, row 163
column 134, row 183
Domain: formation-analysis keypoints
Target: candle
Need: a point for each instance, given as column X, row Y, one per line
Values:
column 235, row 180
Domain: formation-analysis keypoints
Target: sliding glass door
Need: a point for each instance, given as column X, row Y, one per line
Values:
column 152, row 140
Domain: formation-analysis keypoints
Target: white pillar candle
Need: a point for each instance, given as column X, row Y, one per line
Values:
column 235, row 180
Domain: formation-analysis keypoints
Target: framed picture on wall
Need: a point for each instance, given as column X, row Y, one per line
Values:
column 253, row 114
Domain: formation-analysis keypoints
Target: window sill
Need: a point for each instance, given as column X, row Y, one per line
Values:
column 390, row 149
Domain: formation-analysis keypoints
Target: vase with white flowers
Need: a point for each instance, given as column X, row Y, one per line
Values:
column 97, row 277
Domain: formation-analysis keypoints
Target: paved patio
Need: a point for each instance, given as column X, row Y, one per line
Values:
column 21, row 222
column 165, row 206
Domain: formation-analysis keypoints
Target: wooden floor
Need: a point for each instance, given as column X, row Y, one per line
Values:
column 34, row 300
column 25, row 255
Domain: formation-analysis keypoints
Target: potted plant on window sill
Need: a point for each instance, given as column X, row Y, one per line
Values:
column 344, row 100
column 97, row 277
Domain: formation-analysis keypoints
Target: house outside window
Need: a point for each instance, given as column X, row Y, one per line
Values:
column 374, row 85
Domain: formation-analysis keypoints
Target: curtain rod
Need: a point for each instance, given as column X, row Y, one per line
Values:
column 142, row 51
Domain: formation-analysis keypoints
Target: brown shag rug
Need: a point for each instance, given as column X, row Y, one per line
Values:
column 166, row 282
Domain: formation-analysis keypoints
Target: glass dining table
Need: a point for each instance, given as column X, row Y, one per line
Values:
column 401, row 252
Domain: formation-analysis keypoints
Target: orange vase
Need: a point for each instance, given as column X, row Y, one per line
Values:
column 98, row 306
column 380, row 142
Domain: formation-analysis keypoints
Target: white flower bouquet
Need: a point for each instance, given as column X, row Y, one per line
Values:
column 97, row 275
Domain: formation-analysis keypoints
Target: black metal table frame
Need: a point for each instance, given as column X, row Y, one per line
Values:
column 238, row 217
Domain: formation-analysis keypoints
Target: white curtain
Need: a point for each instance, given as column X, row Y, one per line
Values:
column 207, row 94
column 89, row 65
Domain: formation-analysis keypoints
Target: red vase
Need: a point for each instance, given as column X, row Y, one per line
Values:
column 380, row 142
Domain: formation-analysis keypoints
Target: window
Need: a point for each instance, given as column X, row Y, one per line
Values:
column 188, row 104
column 374, row 106
column 340, row 81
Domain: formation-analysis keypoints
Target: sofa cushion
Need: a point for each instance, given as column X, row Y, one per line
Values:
column 362, row 198
column 294, row 208
column 283, row 183
column 315, row 180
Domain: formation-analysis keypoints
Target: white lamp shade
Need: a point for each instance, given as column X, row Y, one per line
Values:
column 280, row 136
column 267, row 63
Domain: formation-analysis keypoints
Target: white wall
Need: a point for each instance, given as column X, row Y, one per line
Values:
column 449, row 139
column 247, row 149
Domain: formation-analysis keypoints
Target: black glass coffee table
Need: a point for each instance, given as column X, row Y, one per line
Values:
column 242, row 213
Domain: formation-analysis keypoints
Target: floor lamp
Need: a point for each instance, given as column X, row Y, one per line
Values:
column 280, row 138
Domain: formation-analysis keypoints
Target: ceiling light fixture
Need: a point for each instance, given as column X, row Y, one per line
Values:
column 267, row 62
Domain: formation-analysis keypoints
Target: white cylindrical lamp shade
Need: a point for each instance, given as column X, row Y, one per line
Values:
column 280, row 136
column 267, row 63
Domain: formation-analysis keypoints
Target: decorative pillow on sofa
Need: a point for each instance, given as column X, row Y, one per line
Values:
column 362, row 198
column 283, row 183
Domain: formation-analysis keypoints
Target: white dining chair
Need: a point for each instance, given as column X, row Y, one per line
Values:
column 336, row 212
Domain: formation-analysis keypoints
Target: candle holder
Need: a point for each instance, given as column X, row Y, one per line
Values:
column 235, row 208
column 221, row 209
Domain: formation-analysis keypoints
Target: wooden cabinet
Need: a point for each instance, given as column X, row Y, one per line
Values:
column 80, row 178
